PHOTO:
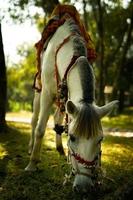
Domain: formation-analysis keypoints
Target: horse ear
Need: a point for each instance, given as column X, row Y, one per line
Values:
column 70, row 107
column 106, row 109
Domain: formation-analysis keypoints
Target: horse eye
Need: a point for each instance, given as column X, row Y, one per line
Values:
column 72, row 138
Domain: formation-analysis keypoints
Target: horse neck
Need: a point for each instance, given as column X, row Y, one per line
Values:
column 62, row 51
column 80, row 82
column 77, row 77
column 75, row 92
column 61, row 33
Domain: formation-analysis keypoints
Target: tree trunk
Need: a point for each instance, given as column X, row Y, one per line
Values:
column 85, row 15
column 101, row 98
column 121, row 100
column 3, row 85
column 48, row 5
column 118, row 85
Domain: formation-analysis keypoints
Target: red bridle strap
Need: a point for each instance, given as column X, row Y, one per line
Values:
column 84, row 162
column 71, row 62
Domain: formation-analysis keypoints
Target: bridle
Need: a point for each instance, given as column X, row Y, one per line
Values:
column 91, row 166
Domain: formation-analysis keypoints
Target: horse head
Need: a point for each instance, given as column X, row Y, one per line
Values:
column 84, row 143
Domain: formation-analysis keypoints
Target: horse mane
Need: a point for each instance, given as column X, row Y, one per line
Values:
column 78, row 41
column 87, row 122
column 85, row 69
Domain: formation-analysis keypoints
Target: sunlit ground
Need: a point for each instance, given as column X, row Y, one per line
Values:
column 123, row 122
column 3, row 151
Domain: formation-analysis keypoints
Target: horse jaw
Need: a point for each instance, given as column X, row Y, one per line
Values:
column 106, row 109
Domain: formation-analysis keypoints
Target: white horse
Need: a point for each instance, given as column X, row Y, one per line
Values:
column 84, row 126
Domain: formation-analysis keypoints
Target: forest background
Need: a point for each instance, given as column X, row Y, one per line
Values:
column 110, row 24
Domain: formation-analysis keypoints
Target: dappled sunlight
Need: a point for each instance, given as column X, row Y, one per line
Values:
column 122, row 141
column 118, row 155
column 22, row 116
column 120, row 121
column 21, row 113
column 49, row 138
column 3, row 151
column 24, row 127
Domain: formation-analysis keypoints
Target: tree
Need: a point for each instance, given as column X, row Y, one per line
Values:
column 46, row 5
column 3, row 85
column 19, row 9
column 113, row 43
column 23, row 73
column 120, row 73
column 99, row 17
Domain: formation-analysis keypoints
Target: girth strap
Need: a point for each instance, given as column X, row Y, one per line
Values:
column 73, row 60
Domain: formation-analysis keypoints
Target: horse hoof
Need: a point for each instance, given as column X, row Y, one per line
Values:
column 31, row 167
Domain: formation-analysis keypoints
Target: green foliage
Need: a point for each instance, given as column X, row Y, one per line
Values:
column 19, row 10
column 122, row 122
column 20, row 81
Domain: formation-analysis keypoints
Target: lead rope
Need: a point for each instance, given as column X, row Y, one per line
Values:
column 98, row 171
column 67, row 177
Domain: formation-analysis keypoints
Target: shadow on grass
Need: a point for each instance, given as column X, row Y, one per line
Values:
column 14, row 148
column 15, row 183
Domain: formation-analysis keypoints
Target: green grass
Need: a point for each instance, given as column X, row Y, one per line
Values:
column 46, row 183
column 122, row 122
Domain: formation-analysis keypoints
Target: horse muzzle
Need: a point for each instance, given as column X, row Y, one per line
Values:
column 82, row 184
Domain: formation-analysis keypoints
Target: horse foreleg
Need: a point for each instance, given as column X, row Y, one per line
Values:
column 58, row 119
column 36, row 109
column 45, row 105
